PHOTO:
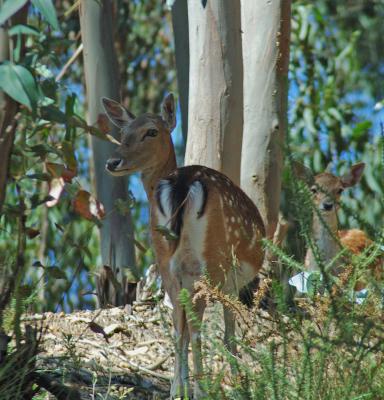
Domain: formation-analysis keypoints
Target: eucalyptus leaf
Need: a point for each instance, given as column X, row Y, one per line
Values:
column 53, row 114
column 37, row 264
column 10, row 7
column 166, row 232
column 56, row 273
column 41, row 176
column 360, row 129
column 47, row 9
column 37, row 201
column 42, row 150
column 11, row 84
column 28, row 82
column 23, row 30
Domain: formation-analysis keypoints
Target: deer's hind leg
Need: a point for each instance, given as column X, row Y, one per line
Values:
column 180, row 385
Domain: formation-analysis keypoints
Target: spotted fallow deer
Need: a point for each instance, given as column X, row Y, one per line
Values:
column 326, row 190
column 211, row 219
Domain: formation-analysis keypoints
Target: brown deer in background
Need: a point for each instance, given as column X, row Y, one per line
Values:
column 326, row 190
column 209, row 216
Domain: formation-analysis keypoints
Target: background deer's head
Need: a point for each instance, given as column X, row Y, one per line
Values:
column 327, row 188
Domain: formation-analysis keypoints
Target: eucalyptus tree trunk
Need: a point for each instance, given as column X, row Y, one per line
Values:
column 180, row 33
column 8, row 106
column 8, row 124
column 266, row 32
column 215, row 112
column 101, row 76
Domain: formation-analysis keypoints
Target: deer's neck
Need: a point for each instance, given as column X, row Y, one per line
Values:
column 324, row 234
column 152, row 176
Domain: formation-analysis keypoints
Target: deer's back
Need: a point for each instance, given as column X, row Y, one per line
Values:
column 216, row 227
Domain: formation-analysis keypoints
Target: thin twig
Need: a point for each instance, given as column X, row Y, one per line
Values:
column 69, row 62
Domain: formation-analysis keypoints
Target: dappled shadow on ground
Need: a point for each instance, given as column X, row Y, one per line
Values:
column 125, row 354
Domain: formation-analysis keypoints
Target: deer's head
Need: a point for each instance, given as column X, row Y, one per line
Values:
column 327, row 188
column 145, row 140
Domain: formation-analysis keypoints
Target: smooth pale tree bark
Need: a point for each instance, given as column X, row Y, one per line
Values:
column 180, row 33
column 266, row 32
column 101, row 76
column 215, row 112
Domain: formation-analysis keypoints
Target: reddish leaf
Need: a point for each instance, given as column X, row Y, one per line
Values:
column 60, row 171
column 32, row 233
column 56, row 170
column 103, row 123
column 68, row 175
column 87, row 206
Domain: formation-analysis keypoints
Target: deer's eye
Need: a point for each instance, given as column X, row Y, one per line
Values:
column 314, row 189
column 150, row 133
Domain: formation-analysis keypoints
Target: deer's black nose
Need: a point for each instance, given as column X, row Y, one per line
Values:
column 327, row 206
column 112, row 163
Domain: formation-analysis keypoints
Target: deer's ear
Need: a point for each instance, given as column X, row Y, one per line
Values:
column 118, row 115
column 168, row 111
column 353, row 176
column 302, row 172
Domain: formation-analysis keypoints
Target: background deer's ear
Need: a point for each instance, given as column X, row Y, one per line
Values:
column 353, row 176
column 118, row 115
column 168, row 111
column 302, row 172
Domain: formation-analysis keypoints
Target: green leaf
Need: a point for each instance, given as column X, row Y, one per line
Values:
column 59, row 227
column 28, row 82
column 335, row 113
column 47, row 9
column 10, row 83
column 77, row 122
column 360, row 129
column 23, row 30
column 9, row 8
column 41, row 176
column 53, row 114
column 56, row 273
column 309, row 120
column 123, row 207
column 19, row 84
column 38, row 264
column 69, row 154
column 42, row 150
column 37, row 201
column 370, row 178
column 167, row 233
